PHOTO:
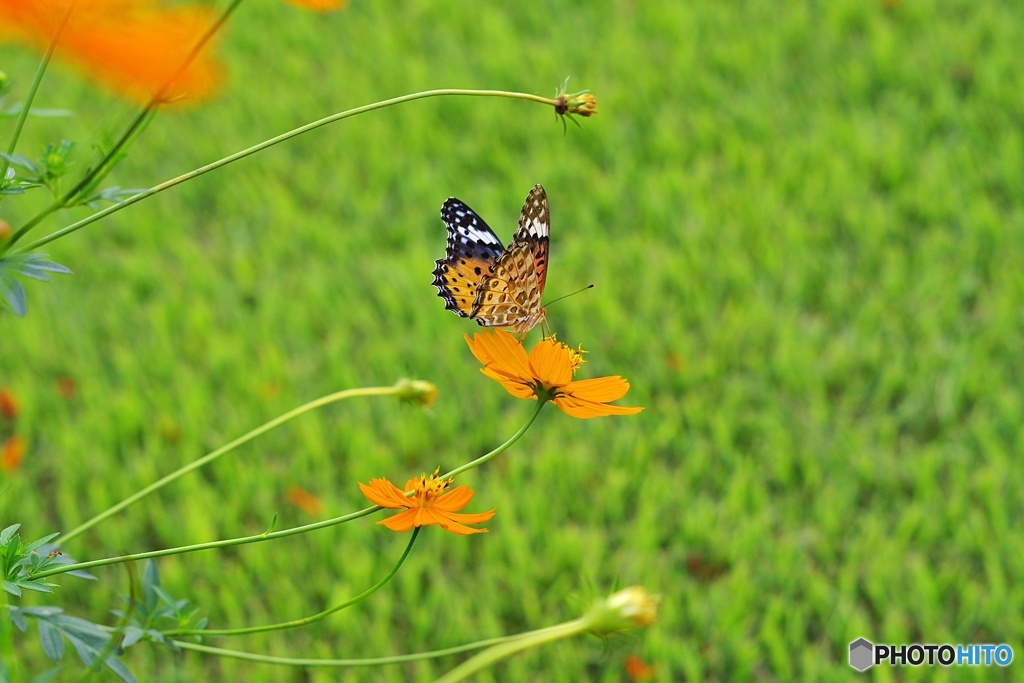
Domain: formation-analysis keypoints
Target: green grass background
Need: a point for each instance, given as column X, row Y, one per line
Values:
column 804, row 223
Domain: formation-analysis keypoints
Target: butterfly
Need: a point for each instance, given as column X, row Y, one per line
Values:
column 481, row 279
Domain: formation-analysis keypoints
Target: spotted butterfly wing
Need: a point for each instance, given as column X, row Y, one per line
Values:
column 472, row 250
column 479, row 279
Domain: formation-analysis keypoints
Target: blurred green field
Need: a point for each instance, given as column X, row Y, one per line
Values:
column 804, row 223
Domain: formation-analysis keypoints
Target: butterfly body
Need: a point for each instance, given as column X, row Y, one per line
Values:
column 481, row 279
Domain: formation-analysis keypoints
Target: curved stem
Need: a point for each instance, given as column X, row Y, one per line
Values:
column 341, row 663
column 500, row 651
column 267, row 535
column 127, row 137
column 500, row 449
column 227, row 448
column 226, row 543
column 26, row 106
column 159, row 97
column 305, row 620
column 273, row 141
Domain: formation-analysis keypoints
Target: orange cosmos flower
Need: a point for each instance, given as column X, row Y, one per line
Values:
column 637, row 669
column 428, row 505
column 547, row 373
column 320, row 5
column 12, row 453
column 133, row 47
column 8, row 404
column 305, row 501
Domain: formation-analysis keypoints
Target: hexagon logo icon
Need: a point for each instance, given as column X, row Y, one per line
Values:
column 861, row 651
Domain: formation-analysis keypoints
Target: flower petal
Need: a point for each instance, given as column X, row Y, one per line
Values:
column 513, row 386
column 134, row 47
column 501, row 352
column 454, row 500
column 452, row 523
column 382, row 492
column 12, row 453
column 600, row 389
column 319, row 5
column 551, row 362
column 403, row 521
column 587, row 409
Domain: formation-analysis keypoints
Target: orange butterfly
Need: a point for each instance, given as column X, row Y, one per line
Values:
column 480, row 279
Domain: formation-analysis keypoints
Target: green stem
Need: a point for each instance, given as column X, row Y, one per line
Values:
column 127, row 137
column 305, row 620
column 500, row 449
column 273, row 141
column 26, row 106
column 7, row 642
column 227, row 448
column 196, row 547
column 341, row 663
column 267, row 535
column 525, row 641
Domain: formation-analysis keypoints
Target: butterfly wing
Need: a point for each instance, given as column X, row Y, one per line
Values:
column 535, row 230
column 511, row 295
column 472, row 251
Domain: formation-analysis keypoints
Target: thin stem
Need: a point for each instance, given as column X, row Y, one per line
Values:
column 7, row 644
column 526, row 641
column 26, row 106
column 129, row 134
column 500, row 449
column 155, row 101
column 341, row 663
column 196, row 547
column 269, row 535
column 305, row 620
column 227, row 448
column 273, row 141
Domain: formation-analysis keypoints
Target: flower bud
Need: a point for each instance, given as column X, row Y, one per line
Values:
column 629, row 608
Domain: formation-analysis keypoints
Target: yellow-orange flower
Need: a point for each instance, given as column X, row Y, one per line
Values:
column 12, row 453
column 305, row 501
column 584, row 105
column 547, row 373
column 133, row 47
column 319, row 5
column 428, row 505
column 8, row 404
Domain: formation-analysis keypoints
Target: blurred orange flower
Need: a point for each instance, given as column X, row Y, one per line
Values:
column 134, row 47
column 319, row 5
column 8, row 404
column 305, row 501
column 12, row 453
column 547, row 373
column 637, row 669
column 66, row 386
column 428, row 505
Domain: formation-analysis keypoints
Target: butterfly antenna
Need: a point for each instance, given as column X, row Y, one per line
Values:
column 566, row 296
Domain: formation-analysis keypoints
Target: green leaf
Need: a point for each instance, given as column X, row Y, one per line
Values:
column 35, row 544
column 8, row 533
column 88, row 639
column 132, row 635
column 37, row 585
column 47, row 676
column 27, row 265
column 18, row 619
column 19, row 161
column 53, row 644
column 13, row 293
